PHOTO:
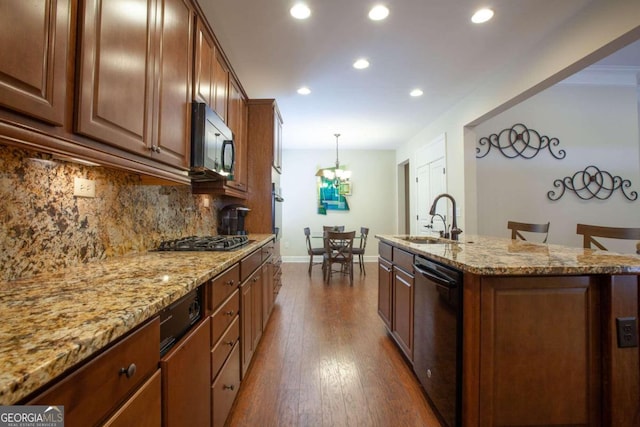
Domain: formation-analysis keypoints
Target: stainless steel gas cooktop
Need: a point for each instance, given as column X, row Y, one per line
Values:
column 204, row 243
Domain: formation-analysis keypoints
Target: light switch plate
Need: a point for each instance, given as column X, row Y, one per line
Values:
column 84, row 187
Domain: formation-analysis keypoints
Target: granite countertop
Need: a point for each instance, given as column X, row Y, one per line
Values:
column 485, row 255
column 50, row 322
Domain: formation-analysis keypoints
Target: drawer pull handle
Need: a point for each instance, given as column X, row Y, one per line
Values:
column 230, row 343
column 227, row 387
column 230, row 313
column 230, row 282
column 130, row 371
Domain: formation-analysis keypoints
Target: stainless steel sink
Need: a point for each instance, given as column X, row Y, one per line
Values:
column 423, row 240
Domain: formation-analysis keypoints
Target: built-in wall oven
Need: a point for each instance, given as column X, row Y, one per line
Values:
column 437, row 359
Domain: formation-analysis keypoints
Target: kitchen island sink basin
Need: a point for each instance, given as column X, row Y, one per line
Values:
column 423, row 240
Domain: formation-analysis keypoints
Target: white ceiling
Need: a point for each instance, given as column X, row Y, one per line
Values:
column 430, row 44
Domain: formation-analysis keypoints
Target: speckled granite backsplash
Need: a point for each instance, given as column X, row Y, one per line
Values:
column 44, row 227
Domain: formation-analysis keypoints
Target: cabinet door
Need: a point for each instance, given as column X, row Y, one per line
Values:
column 172, row 142
column 403, row 310
column 116, row 70
column 204, row 67
column 267, row 293
column 384, row 291
column 237, row 121
column 221, row 86
column 540, row 351
column 277, row 139
column 186, row 380
column 143, row 409
column 34, row 45
column 257, row 285
column 246, row 321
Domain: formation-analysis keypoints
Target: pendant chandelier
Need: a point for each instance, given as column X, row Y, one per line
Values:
column 337, row 175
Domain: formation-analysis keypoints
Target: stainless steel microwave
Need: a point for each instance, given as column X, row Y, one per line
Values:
column 212, row 149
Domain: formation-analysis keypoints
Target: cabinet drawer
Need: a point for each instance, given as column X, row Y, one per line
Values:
column 249, row 264
column 143, row 409
column 403, row 259
column 384, row 250
column 225, row 388
column 267, row 251
column 223, row 317
column 222, row 348
column 223, row 285
column 83, row 405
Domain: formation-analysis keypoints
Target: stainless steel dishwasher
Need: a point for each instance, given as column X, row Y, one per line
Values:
column 437, row 328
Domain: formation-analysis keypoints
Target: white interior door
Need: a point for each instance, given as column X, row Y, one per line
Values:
column 431, row 180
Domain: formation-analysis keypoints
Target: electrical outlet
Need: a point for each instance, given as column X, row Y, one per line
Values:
column 205, row 201
column 84, row 187
column 627, row 331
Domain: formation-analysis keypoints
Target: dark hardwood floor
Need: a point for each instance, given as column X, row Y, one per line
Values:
column 325, row 359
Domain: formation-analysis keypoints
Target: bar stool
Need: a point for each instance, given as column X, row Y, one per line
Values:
column 517, row 227
column 590, row 231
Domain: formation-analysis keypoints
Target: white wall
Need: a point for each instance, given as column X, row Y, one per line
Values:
column 596, row 125
column 600, row 29
column 373, row 190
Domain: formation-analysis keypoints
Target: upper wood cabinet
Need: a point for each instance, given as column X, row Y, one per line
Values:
column 277, row 139
column 135, row 76
column 34, row 47
column 237, row 121
column 211, row 73
column 174, row 80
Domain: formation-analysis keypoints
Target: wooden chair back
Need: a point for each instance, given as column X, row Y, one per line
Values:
column 333, row 228
column 590, row 231
column 517, row 227
column 338, row 248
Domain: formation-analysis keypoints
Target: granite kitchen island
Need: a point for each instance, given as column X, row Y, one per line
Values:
column 538, row 328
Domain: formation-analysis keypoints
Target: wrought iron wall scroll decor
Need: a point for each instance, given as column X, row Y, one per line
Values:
column 518, row 141
column 592, row 183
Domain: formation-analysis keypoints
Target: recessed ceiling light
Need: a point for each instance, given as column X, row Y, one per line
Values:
column 482, row 15
column 361, row 64
column 416, row 92
column 304, row 90
column 378, row 13
column 300, row 11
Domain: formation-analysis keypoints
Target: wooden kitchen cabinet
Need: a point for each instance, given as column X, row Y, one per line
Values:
column 396, row 294
column 540, row 351
column 34, row 48
column 186, row 379
column 211, row 72
column 385, row 296
column 402, row 324
column 134, row 77
column 237, row 121
column 251, row 315
column 263, row 115
column 119, row 374
column 143, row 409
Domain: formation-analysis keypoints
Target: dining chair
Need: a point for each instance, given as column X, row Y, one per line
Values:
column 590, row 231
column 313, row 251
column 364, row 232
column 517, row 227
column 338, row 249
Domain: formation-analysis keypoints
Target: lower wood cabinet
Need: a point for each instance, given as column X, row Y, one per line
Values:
column 540, row 351
column 116, row 380
column 225, row 387
column 251, row 308
column 186, row 380
column 385, row 297
column 402, row 325
column 143, row 409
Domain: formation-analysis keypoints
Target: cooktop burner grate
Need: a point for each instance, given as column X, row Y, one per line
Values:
column 204, row 243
